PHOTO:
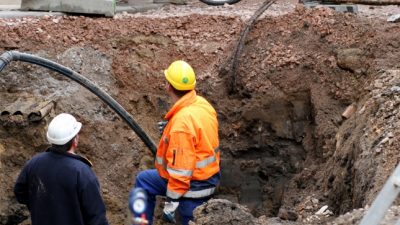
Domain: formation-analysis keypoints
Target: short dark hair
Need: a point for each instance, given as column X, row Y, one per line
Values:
column 64, row 147
column 179, row 93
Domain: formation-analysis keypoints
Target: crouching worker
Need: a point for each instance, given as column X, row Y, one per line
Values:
column 58, row 186
column 187, row 160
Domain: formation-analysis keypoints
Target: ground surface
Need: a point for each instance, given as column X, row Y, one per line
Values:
column 285, row 146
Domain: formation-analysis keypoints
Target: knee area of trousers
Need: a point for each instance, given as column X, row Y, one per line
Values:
column 140, row 178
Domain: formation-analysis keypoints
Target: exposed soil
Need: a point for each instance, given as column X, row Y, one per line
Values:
column 286, row 148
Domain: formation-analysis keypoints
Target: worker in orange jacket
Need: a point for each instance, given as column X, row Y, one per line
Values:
column 187, row 160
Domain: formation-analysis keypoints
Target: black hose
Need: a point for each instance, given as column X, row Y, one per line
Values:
column 239, row 48
column 9, row 56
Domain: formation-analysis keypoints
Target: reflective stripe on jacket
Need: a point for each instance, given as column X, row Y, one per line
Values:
column 188, row 150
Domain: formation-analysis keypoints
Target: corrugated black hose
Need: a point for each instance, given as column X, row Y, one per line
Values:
column 9, row 56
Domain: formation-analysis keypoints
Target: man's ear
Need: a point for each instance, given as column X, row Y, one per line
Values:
column 170, row 88
column 75, row 142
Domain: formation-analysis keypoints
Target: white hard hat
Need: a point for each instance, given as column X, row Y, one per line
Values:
column 62, row 129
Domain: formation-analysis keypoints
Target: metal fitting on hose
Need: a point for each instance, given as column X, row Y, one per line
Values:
column 5, row 59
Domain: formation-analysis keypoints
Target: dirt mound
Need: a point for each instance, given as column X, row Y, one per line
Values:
column 221, row 211
column 284, row 142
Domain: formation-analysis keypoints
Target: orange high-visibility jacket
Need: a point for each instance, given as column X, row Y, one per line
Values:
column 188, row 149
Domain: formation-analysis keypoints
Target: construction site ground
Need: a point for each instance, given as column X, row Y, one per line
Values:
column 287, row 148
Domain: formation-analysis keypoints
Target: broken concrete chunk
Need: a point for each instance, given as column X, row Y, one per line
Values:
column 314, row 201
column 384, row 140
column 349, row 111
column 321, row 210
column 394, row 18
column 395, row 89
column 352, row 59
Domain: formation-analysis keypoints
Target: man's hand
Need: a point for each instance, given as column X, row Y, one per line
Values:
column 161, row 125
column 169, row 211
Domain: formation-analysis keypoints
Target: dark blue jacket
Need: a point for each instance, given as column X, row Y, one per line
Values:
column 60, row 188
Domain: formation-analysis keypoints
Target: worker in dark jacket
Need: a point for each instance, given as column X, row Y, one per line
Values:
column 58, row 186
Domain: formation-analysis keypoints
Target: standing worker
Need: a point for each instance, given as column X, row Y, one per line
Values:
column 187, row 160
column 58, row 186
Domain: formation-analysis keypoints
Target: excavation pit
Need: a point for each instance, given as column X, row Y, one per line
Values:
column 284, row 142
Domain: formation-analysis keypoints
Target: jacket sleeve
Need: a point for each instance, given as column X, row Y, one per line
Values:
column 181, row 161
column 93, row 208
column 21, row 188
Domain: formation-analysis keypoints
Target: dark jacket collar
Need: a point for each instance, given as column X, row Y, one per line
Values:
column 67, row 154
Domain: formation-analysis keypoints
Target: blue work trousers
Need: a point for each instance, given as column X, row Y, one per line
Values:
column 155, row 185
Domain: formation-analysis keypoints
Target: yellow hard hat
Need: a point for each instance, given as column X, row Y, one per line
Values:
column 181, row 75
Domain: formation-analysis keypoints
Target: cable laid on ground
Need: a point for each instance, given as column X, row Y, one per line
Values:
column 9, row 56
